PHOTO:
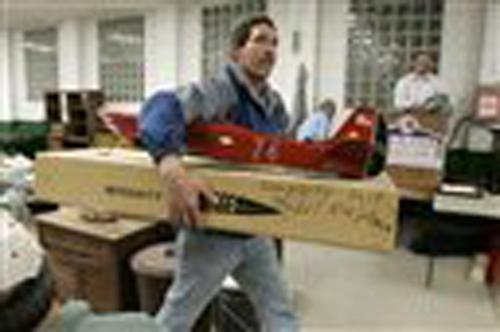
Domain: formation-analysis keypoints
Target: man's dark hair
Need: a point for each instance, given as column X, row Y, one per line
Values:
column 429, row 54
column 241, row 32
column 328, row 106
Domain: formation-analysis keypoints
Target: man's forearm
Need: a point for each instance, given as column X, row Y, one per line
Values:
column 170, row 168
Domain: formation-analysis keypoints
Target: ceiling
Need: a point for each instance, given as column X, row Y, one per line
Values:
column 25, row 14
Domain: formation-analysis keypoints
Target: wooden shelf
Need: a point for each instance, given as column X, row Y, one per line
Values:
column 77, row 110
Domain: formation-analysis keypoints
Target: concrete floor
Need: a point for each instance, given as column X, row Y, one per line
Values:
column 342, row 290
column 347, row 290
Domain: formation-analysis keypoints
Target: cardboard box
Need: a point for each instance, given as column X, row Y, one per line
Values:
column 355, row 213
column 415, row 183
column 90, row 260
column 416, row 152
column 431, row 122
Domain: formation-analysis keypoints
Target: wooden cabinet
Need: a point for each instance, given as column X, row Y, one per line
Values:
column 77, row 110
column 90, row 260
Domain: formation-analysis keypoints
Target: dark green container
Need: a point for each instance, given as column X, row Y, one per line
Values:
column 23, row 137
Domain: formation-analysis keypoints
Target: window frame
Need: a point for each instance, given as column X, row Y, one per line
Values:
column 389, row 42
column 121, row 58
column 217, row 22
column 41, row 61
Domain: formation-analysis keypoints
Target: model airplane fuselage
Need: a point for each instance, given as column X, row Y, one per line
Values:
column 356, row 151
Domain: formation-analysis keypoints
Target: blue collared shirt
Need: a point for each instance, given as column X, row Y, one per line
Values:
column 315, row 128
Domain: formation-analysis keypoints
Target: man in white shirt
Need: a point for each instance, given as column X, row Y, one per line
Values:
column 415, row 90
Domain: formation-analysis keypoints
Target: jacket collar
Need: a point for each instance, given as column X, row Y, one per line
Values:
column 263, row 98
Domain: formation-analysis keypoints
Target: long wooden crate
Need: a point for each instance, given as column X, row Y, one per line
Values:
column 301, row 206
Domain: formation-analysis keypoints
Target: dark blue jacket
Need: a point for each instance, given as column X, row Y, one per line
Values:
column 227, row 98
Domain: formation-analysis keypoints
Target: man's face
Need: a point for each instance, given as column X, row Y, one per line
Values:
column 258, row 55
column 423, row 64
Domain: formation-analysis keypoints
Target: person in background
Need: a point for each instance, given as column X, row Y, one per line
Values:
column 318, row 124
column 239, row 95
column 420, row 89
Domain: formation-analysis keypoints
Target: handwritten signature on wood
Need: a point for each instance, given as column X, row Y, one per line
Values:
column 373, row 208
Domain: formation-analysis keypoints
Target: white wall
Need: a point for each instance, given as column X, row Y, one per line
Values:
column 69, row 61
column 5, row 85
column 173, row 50
column 77, row 65
column 190, row 34
column 162, row 45
column 322, row 29
column 295, row 18
column 69, row 45
column 78, row 54
column 89, row 71
column 24, row 109
column 490, row 67
column 332, row 50
column 461, row 49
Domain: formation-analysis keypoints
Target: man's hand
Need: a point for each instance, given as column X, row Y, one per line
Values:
column 185, row 196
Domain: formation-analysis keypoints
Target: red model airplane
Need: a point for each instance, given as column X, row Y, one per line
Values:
column 356, row 151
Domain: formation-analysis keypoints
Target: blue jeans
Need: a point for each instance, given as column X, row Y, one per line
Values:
column 205, row 259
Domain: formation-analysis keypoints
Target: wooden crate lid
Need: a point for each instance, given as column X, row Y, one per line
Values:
column 208, row 166
column 71, row 219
